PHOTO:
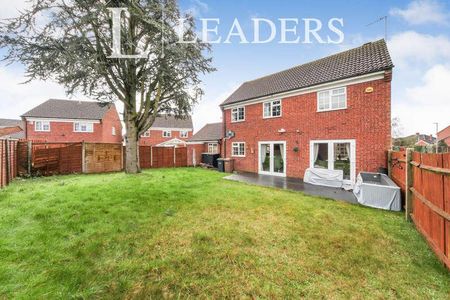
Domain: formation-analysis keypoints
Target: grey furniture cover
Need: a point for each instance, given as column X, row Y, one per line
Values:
column 324, row 177
column 378, row 191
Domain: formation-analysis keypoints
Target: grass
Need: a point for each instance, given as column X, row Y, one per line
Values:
column 188, row 233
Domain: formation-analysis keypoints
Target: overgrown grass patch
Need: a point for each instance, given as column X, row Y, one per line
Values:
column 190, row 233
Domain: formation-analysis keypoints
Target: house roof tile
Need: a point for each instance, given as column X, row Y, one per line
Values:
column 171, row 122
column 368, row 58
column 210, row 132
column 69, row 109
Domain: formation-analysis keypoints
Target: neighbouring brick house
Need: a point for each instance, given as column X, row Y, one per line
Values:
column 11, row 129
column 332, row 114
column 444, row 135
column 168, row 131
column 206, row 140
column 73, row 121
column 424, row 140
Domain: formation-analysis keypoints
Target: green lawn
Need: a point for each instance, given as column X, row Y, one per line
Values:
column 188, row 233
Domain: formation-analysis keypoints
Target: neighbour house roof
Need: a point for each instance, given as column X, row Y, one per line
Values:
column 69, row 109
column 10, row 123
column 368, row 58
column 429, row 139
column 171, row 122
column 210, row 132
column 10, row 128
column 415, row 140
column 15, row 132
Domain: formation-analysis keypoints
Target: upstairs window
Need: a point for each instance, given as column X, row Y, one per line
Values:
column 42, row 126
column 184, row 134
column 113, row 131
column 238, row 114
column 272, row 109
column 146, row 134
column 167, row 133
column 83, row 127
column 332, row 99
column 238, row 149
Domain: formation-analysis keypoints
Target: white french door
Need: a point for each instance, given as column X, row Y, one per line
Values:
column 272, row 158
column 335, row 155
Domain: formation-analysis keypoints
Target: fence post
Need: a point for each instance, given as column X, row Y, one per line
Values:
column 2, row 144
column 8, row 162
column 194, row 159
column 409, row 184
column 122, row 160
column 29, row 156
column 390, row 163
column 151, row 156
column 83, row 157
column 174, row 157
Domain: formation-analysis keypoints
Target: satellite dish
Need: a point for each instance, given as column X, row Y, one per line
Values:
column 230, row 134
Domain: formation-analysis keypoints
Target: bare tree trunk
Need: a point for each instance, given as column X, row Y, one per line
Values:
column 132, row 165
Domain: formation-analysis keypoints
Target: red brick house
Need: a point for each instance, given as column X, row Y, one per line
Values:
column 331, row 114
column 206, row 140
column 168, row 131
column 73, row 121
column 444, row 135
column 424, row 140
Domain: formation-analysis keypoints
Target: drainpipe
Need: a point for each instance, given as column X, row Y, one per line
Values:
column 224, row 140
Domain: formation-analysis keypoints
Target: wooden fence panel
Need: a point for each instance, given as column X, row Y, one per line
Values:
column 398, row 169
column 163, row 157
column 429, row 188
column 433, row 186
column 181, row 157
column 103, row 158
column 8, row 161
column 71, row 159
column 446, row 165
column 22, row 158
column 49, row 159
column 66, row 158
column 3, row 166
column 431, row 197
column 145, row 157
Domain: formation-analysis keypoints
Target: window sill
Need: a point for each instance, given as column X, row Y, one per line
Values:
column 272, row 117
column 238, row 156
column 328, row 110
column 238, row 121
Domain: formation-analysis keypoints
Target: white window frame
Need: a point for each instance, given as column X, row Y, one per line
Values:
column 184, row 134
column 212, row 146
column 271, row 103
column 165, row 135
column 238, row 145
column 330, row 98
column 89, row 127
column 235, row 111
column 331, row 143
column 113, row 131
column 146, row 134
column 42, row 125
column 272, row 145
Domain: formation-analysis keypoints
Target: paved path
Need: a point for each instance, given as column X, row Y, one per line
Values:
column 294, row 184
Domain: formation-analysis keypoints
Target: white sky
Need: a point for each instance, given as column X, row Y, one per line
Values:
column 421, row 85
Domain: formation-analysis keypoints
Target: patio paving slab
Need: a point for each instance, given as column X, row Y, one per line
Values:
column 294, row 184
